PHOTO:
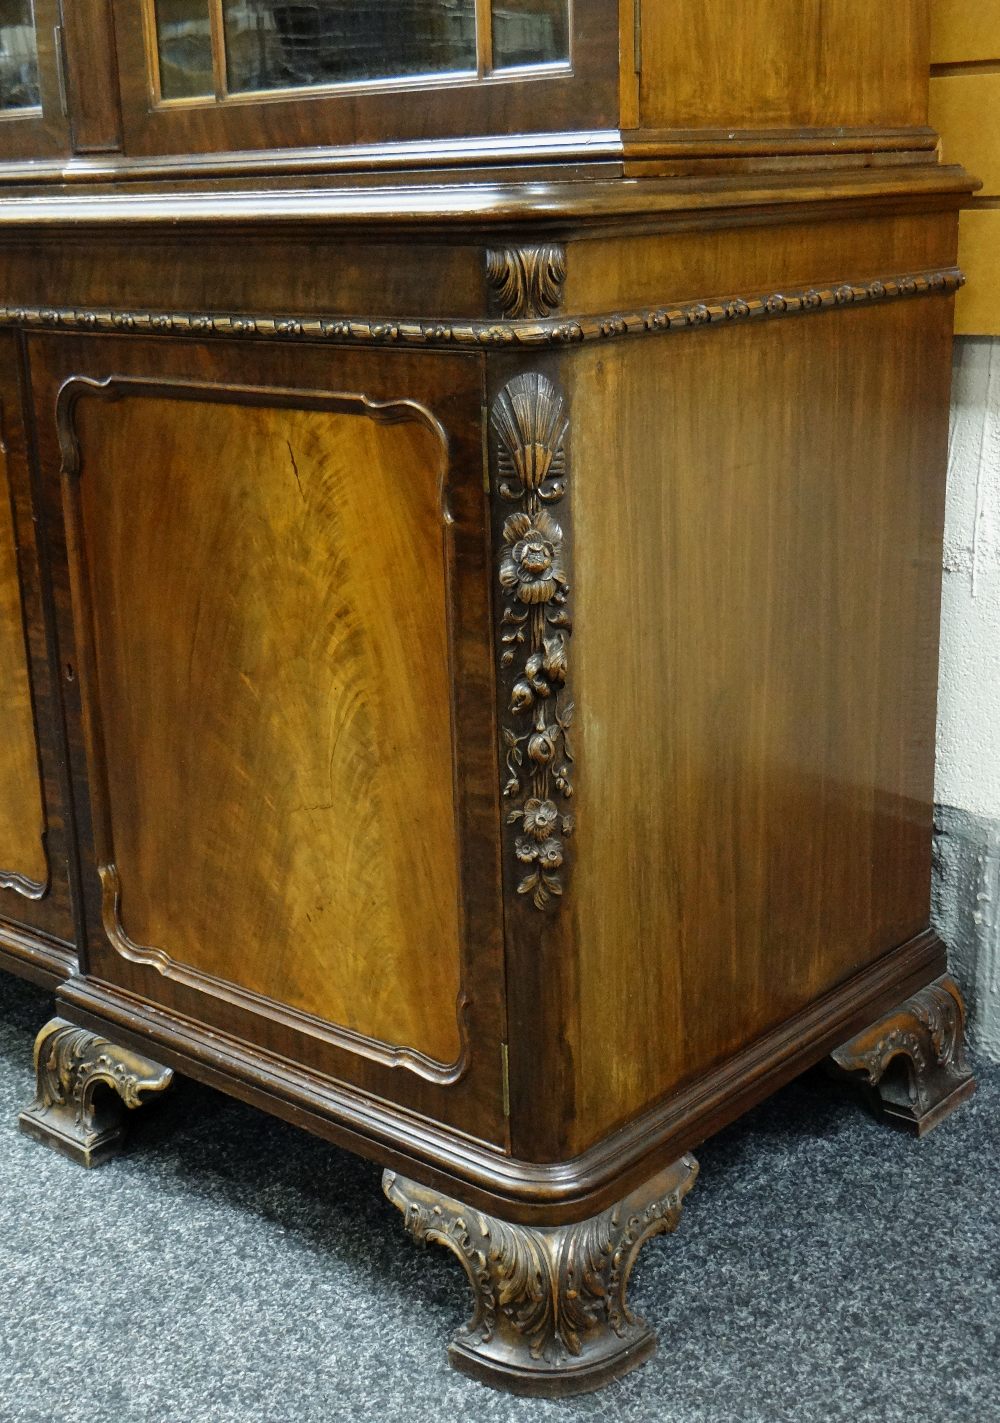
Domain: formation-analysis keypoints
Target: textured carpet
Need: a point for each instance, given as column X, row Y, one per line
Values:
column 229, row 1269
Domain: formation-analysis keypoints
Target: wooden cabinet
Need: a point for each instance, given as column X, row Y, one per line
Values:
column 474, row 681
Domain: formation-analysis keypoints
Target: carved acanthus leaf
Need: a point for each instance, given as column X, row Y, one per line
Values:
column 525, row 282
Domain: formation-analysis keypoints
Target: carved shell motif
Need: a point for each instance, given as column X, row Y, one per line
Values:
column 529, row 419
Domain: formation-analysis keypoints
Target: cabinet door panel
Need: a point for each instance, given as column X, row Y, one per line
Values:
column 264, row 555
column 34, row 884
column 23, row 861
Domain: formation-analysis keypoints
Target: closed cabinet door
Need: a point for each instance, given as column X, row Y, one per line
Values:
column 274, row 571
column 36, row 924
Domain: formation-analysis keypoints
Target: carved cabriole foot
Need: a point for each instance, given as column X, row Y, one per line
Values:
column 550, row 1316
column 913, row 1059
column 69, row 1113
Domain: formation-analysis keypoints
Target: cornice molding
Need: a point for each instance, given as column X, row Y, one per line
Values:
column 500, row 334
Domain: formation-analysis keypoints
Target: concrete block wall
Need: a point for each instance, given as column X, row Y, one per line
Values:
column 967, row 789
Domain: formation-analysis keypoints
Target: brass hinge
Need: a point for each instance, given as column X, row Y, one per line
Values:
column 505, row 1079
column 637, row 35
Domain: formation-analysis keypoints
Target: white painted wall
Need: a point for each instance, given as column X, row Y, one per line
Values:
column 967, row 791
column 968, row 764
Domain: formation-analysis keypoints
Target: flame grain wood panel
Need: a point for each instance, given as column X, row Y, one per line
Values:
column 23, row 863
column 272, row 583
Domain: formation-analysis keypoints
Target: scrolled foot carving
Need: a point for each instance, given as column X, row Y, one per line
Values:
column 68, row 1112
column 913, row 1059
column 551, row 1316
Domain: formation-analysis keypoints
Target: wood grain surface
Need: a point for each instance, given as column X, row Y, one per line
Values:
column 23, row 865
column 755, row 673
column 267, row 592
column 753, row 63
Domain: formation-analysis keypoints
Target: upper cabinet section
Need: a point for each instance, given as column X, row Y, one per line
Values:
column 461, row 80
column 765, row 64
column 33, row 119
column 213, row 75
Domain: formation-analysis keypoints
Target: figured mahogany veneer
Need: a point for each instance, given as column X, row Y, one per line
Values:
column 469, row 585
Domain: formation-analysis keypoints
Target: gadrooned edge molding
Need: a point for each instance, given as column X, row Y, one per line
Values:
column 371, row 331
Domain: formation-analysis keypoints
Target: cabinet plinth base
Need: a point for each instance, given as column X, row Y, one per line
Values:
column 550, row 1317
column 913, row 1059
column 69, row 1113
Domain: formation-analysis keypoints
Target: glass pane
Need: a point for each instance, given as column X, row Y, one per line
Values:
column 529, row 32
column 18, row 56
column 184, row 44
column 272, row 44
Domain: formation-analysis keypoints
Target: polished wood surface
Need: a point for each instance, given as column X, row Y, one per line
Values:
column 815, row 62
column 272, row 581
column 23, row 863
column 755, row 669
column 388, row 745
column 517, row 790
column 581, row 95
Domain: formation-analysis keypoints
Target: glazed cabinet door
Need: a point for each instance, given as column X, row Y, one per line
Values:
column 33, row 107
column 204, row 75
column 36, row 927
column 277, row 605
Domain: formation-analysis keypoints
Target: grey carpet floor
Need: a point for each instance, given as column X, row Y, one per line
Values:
column 229, row 1269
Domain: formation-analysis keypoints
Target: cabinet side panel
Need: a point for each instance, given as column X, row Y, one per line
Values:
column 758, row 526
column 23, row 864
column 784, row 63
column 267, row 595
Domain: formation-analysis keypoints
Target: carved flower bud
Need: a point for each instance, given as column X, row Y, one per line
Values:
column 542, row 746
column 521, row 697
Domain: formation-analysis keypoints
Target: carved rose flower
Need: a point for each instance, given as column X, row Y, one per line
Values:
column 532, row 559
column 540, row 818
column 548, row 855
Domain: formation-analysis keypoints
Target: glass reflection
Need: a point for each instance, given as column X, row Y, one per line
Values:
column 184, row 45
column 529, row 32
column 271, row 44
column 18, row 56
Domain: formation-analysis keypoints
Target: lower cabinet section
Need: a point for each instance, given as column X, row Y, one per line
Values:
column 503, row 747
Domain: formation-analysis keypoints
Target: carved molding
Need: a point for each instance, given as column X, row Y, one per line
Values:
column 21, row 884
column 114, row 388
column 70, row 1064
column 926, row 1035
column 550, row 1303
column 530, row 424
column 525, row 281
column 373, row 331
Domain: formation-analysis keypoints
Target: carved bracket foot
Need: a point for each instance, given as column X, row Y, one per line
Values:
column 913, row 1059
column 550, row 1316
column 69, row 1113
